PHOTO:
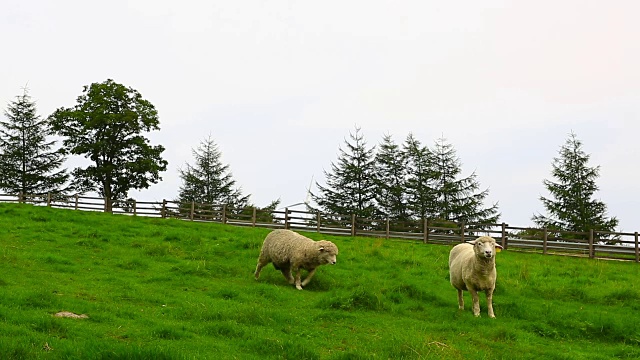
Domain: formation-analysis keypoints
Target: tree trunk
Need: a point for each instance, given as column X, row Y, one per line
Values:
column 106, row 190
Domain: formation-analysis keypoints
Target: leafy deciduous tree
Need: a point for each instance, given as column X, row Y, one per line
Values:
column 264, row 214
column 106, row 127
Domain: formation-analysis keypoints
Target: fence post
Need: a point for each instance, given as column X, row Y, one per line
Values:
column 591, row 249
column 504, row 236
column 425, row 230
column 49, row 199
column 253, row 217
column 318, row 222
column 544, row 242
column 192, row 211
column 462, row 232
column 353, row 224
column 20, row 197
column 387, row 228
column 163, row 210
column 75, row 206
column 286, row 218
column 637, row 250
column 224, row 213
column 135, row 207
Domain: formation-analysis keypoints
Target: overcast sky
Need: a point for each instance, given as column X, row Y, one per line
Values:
column 280, row 84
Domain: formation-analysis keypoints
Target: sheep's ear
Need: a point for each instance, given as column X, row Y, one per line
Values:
column 472, row 242
column 498, row 246
column 321, row 248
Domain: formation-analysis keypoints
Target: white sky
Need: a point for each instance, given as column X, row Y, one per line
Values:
column 280, row 84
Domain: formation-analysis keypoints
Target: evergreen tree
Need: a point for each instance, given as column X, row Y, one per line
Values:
column 390, row 178
column 28, row 162
column 571, row 206
column 457, row 199
column 350, row 184
column 209, row 181
column 420, row 179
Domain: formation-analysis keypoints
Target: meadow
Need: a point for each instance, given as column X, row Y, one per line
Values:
column 171, row 289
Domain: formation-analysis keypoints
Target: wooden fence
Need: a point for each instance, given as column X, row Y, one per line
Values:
column 585, row 244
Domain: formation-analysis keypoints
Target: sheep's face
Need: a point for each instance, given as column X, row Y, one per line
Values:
column 327, row 252
column 485, row 247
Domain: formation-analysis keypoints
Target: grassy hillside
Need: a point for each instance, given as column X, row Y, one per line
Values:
column 170, row 289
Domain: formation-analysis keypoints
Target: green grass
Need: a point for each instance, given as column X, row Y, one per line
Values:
column 170, row 289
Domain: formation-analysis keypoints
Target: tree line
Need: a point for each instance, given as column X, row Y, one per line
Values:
column 401, row 182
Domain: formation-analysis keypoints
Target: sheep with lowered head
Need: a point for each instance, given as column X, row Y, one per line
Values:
column 292, row 252
column 472, row 267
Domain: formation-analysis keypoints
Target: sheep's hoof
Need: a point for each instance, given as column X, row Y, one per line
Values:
column 298, row 287
column 476, row 315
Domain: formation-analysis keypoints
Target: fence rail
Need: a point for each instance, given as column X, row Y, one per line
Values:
column 545, row 241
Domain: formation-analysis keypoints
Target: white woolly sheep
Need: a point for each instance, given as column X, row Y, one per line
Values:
column 472, row 267
column 290, row 251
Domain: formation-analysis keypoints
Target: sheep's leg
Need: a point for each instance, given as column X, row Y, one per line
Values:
column 490, row 302
column 476, row 302
column 261, row 264
column 297, row 281
column 309, row 276
column 286, row 272
column 460, row 300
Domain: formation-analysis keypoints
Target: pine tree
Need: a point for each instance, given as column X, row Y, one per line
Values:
column 571, row 206
column 390, row 178
column 420, row 179
column 350, row 184
column 209, row 181
column 457, row 199
column 28, row 162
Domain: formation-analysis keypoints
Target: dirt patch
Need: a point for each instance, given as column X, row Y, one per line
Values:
column 67, row 314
